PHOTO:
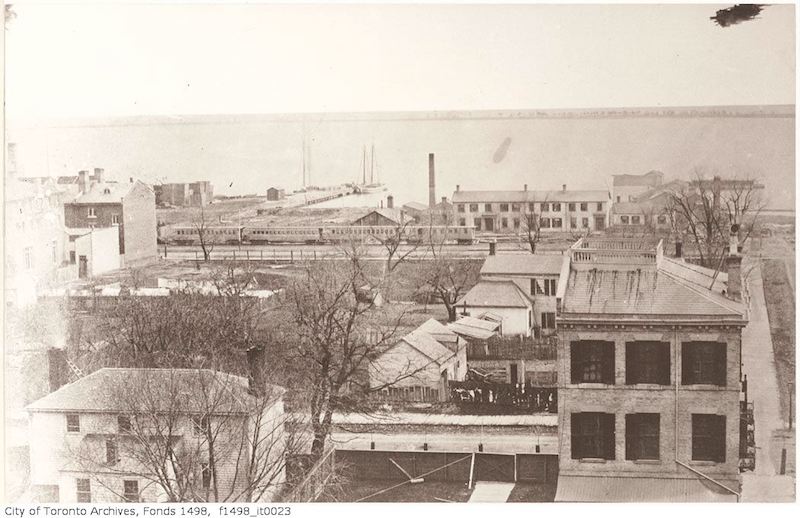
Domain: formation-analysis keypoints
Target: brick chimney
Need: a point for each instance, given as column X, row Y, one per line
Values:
column 431, row 182
column 734, row 266
column 458, row 188
column 82, row 181
column 525, row 187
column 444, row 199
column 256, row 359
column 390, row 202
column 98, row 174
column 564, row 187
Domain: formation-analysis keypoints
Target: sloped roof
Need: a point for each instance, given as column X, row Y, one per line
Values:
column 522, row 264
column 473, row 327
column 105, row 192
column 396, row 215
column 645, row 291
column 640, row 489
column 413, row 205
column 529, row 196
column 427, row 345
column 439, row 332
column 634, row 180
column 491, row 293
column 188, row 390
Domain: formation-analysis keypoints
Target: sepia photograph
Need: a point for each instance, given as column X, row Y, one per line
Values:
column 265, row 253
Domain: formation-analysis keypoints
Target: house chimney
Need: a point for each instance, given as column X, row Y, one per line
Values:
column 525, row 187
column 57, row 368
column 458, row 188
column 431, row 182
column 390, row 202
column 734, row 266
column 98, row 174
column 564, row 187
column 256, row 358
column 130, row 179
column 444, row 199
column 492, row 247
column 82, row 181
column 381, row 203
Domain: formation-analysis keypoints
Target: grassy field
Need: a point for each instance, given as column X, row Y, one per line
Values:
column 781, row 310
column 533, row 493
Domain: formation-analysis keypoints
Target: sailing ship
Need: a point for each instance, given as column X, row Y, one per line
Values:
column 374, row 184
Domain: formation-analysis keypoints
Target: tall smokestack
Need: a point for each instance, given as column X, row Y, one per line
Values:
column 431, row 182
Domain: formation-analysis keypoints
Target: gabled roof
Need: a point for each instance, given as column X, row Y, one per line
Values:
column 670, row 291
column 529, row 196
column 427, row 345
column 439, row 332
column 105, row 192
column 186, row 390
column 395, row 215
column 413, row 205
column 473, row 327
column 495, row 293
column 522, row 264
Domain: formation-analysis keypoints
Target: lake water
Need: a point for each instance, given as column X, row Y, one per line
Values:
column 241, row 155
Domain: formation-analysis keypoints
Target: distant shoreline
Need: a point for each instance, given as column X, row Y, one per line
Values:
column 688, row 112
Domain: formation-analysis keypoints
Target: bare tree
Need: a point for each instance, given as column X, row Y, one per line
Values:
column 447, row 278
column 392, row 242
column 204, row 236
column 531, row 225
column 705, row 210
column 191, row 435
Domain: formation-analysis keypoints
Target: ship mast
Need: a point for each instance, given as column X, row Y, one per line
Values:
column 372, row 165
column 364, row 166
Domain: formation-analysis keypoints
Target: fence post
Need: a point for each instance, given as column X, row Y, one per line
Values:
column 165, row 251
column 247, row 253
column 234, row 255
column 195, row 255
column 315, row 255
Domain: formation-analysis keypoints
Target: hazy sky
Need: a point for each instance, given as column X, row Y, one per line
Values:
column 100, row 60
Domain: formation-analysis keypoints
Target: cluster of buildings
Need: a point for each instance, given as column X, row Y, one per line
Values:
column 73, row 227
column 194, row 194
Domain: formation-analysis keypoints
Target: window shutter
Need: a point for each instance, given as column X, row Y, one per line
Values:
column 664, row 363
column 609, row 435
column 630, row 436
column 574, row 363
column 722, row 366
column 687, row 377
column 608, row 362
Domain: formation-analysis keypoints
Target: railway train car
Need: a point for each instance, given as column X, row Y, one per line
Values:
column 188, row 235
column 215, row 234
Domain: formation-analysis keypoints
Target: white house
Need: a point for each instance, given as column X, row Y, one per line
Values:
column 500, row 300
column 418, row 367
column 157, row 435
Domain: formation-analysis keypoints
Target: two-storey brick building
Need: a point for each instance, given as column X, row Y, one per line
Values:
column 649, row 371
column 507, row 212
column 130, row 206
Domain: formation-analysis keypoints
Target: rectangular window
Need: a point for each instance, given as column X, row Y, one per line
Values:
column 487, row 207
column 593, row 436
column 584, row 207
column 599, row 205
column 703, row 363
column 115, row 219
column 548, row 320
column 585, row 223
column 708, row 437
column 504, row 222
column 642, row 436
column 111, row 451
column 84, row 490
column 531, row 207
column 545, row 207
column 92, row 212
column 462, row 222
column 473, row 207
column 130, row 490
column 201, row 425
column 549, row 287
column 534, row 287
column 72, row 257
column 124, row 424
column 556, row 207
column 647, row 362
column 504, row 207
column 460, row 207
column 515, row 207
column 624, row 220
column 635, row 220
column 73, row 423
column 571, row 207
column 544, row 223
column 516, row 223
column 205, row 471
column 662, row 219
column 573, row 222
column 592, row 361
column 618, row 199
column 477, row 222
column 556, row 222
